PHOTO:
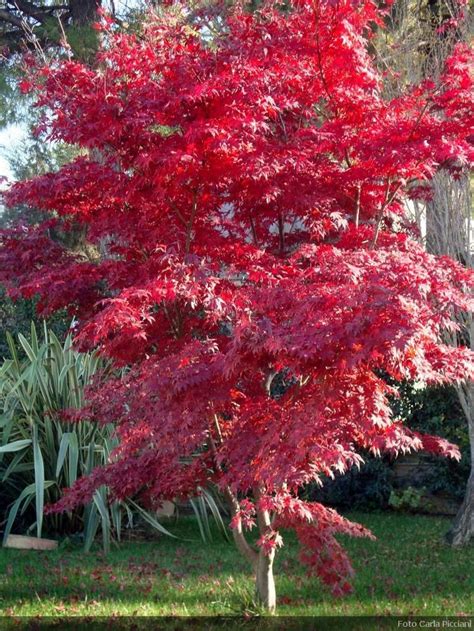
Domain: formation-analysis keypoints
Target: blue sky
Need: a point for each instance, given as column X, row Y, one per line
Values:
column 9, row 139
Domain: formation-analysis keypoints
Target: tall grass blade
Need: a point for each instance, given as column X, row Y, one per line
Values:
column 16, row 445
column 39, row 481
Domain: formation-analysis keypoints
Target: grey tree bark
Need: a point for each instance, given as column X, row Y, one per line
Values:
column 449, row 226
column 462, row 528
column 265, row 582
column 262, row 564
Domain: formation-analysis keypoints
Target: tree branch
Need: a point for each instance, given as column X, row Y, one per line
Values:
column 357, row 210
column 237, row 532
column 11, row 19
column 41, row 14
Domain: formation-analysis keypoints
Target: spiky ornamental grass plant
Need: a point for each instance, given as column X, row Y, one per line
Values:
column 41, row 453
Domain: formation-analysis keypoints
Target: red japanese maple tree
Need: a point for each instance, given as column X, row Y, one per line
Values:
column 244, row 199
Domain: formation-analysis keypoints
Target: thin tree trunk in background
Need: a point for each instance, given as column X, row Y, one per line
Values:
column 462, row 528
column 448, row 231
column 448, row 218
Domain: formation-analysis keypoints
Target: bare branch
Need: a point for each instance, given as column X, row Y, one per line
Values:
column 11, row 19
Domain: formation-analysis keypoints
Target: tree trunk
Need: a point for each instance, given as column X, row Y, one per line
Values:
column 265, row 582
column 83, row 12
column 462, row 529
column 449, row 231
column 448, row 218
column 262, row 564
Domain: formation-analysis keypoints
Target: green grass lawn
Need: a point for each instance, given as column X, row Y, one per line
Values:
column 407, row 571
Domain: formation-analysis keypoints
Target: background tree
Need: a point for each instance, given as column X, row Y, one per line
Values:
column 50, row 30
column 249, row 175
column 45, row 24
column 31, row 158
column 419, row 39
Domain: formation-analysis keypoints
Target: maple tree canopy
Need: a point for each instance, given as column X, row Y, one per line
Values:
column 243, row 190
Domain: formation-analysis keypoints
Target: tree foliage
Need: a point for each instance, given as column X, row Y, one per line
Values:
column 244, row 195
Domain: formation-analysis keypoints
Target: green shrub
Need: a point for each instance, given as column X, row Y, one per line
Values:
column 409, row 499
column 436, row 410
column 16, row 317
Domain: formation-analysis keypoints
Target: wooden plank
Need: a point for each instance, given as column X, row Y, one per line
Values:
column 21, row 542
